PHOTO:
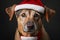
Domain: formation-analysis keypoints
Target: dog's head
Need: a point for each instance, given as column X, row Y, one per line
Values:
column 29, row 21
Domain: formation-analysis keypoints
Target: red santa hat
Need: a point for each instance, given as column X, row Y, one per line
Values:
column 31, row 4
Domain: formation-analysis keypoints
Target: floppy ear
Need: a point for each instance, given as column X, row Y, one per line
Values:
column 10, row 11
column 49, row 13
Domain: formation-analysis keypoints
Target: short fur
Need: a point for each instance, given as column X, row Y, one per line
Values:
column 24, row 15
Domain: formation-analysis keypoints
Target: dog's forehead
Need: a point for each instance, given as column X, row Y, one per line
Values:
column 29, row 11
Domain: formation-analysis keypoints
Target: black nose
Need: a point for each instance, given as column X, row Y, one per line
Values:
column 30, row 23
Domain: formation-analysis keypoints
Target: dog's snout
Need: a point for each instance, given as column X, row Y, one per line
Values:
column 30, row 27
column 30, row 23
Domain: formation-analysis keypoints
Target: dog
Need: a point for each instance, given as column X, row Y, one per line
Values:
column 30, row 22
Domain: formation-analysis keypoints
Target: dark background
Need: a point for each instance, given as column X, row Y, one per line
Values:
column 7, row 28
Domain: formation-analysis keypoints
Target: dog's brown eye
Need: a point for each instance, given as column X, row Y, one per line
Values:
column 36, row 15
column 23, row 15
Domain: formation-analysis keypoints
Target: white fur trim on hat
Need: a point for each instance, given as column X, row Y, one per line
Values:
column 30, row 6
column 28, row 38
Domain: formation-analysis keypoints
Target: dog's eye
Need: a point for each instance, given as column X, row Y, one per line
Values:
column 36, row 15
column 23, row 15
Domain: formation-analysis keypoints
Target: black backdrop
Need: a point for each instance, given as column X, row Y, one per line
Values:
column 7, row 28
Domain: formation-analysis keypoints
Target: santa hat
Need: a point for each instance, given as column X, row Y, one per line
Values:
column 31, row 4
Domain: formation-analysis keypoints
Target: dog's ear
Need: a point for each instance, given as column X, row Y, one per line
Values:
column 10, row 11
column 49, row 13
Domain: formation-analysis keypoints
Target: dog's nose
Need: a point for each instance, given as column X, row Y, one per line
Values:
column 30, row 25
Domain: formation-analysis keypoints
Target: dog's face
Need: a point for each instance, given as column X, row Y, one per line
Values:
column 29, row 21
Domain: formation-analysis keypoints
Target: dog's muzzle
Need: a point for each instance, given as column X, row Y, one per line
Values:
column 30, row 27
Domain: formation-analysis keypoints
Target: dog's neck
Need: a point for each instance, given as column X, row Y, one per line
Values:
column 18, row 36
column 27, row 34
column 28, row 37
